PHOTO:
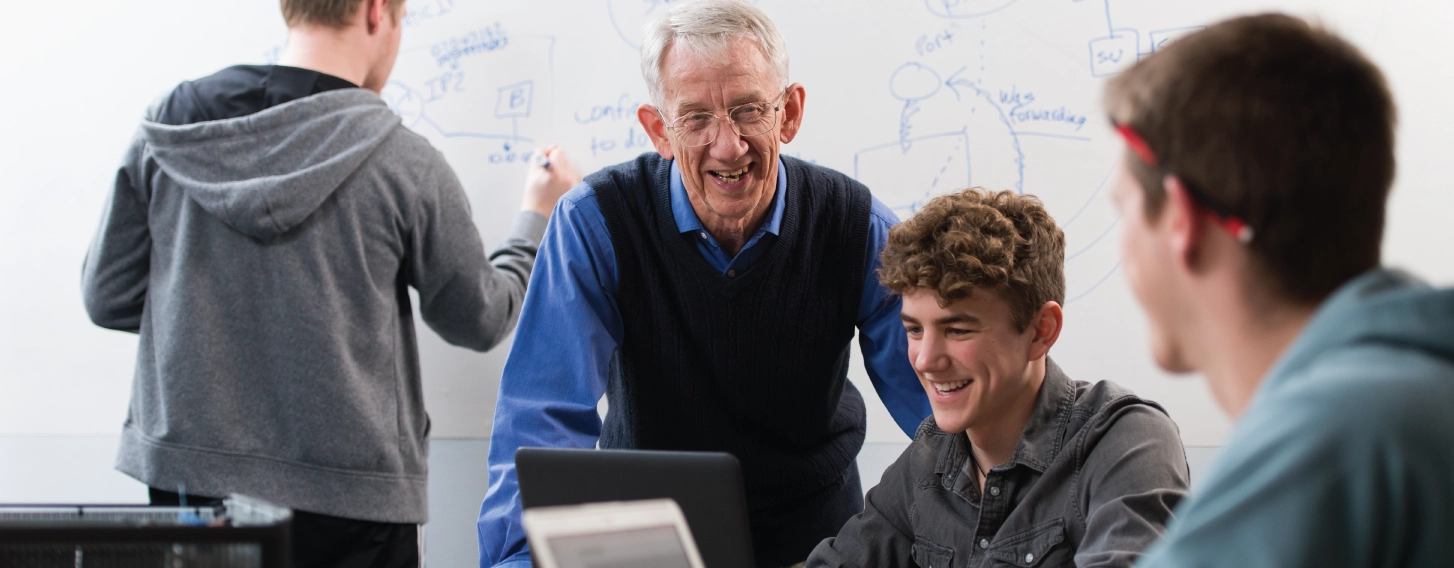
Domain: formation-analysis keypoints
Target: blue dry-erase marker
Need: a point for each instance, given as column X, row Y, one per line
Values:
column 538, row 159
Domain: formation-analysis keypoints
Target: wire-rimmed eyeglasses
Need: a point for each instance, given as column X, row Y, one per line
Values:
column 700, row 128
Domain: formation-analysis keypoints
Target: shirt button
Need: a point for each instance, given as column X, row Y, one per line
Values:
column 1029, row 558
column 984, row 543
column 703, row 234
column 995, row 491
column 731, row 273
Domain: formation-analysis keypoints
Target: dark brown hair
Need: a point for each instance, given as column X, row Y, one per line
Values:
column 336, row 14
column 978, row 239
column 1284, row 125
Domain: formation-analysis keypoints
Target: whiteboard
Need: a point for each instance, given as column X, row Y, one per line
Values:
column 912, row 97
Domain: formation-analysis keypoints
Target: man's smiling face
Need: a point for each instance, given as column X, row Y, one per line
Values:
column 731, row 180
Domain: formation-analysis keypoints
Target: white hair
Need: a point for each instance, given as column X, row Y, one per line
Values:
column 705, row 28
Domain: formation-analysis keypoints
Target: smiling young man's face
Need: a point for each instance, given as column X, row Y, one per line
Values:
column 972, row 362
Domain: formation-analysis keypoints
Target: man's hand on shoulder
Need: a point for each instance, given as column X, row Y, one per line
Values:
column 547, row 180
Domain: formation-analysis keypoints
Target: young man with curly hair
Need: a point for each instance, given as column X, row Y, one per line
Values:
column 1019, row 463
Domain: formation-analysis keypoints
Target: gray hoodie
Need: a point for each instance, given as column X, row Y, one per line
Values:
column 264, row 261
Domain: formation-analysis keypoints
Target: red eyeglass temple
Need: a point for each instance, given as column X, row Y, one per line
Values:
column 1231, row 224
column 1137, row 144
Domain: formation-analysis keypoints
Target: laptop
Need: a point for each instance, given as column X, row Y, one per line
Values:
column 616, row 534
column 706, row 485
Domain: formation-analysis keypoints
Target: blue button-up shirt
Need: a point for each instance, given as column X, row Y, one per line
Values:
column 570, row 327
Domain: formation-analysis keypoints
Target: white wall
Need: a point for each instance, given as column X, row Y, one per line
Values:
column 910, row 101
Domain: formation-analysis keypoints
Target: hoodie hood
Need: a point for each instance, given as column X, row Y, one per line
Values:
column 264, row 173
column 1381, row 307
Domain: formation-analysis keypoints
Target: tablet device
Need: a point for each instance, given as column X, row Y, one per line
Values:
column 706, row 485
column 638, row 534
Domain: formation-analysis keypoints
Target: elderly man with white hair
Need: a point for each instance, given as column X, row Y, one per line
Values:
column 710, row 290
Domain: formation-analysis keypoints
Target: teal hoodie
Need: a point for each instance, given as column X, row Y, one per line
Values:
column 1345, row 456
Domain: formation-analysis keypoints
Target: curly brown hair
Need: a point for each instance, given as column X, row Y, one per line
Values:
column 979, row 239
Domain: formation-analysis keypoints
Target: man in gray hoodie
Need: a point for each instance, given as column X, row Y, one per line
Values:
column 261, row 235
column 1259, row 157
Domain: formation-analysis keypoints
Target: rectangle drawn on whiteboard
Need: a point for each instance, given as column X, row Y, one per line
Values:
column 1163, row 38
column 514, row 101
column 1112, row 55
column 904, row 178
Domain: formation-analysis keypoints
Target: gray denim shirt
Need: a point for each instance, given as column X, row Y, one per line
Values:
column 1093, row 482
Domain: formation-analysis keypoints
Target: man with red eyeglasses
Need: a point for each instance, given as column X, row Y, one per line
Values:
column 1259, row 159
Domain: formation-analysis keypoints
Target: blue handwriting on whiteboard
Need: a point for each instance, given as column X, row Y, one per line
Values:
column 1015, row 99
column 624, row 108
column 422, row 10
column 449, row 82
column 929, row 43
column 449, row 52
column 635, row 138
column 1049, row 115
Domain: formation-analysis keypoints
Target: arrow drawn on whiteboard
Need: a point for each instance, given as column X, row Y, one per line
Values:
column 954, row 82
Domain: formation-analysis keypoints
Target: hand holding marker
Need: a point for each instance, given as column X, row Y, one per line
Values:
column 550, row 176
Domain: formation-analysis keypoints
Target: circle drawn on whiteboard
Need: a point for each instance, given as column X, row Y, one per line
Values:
column 403, row 101
column 629, row 17
column 914, row 82
column 963, row 9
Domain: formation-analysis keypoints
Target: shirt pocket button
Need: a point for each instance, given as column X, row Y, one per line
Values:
column 1041, row 545
column 927, row 553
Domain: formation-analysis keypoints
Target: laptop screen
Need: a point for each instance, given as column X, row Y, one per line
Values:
column 707, row 486
column 645, row 547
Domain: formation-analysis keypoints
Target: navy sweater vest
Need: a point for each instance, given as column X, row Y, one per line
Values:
column 754, row 364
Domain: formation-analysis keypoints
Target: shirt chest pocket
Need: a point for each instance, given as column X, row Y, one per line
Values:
column 1042, row 545
column 930, row 555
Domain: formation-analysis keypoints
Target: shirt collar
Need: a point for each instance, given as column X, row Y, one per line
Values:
column 686, row 217
column 1040, row 440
